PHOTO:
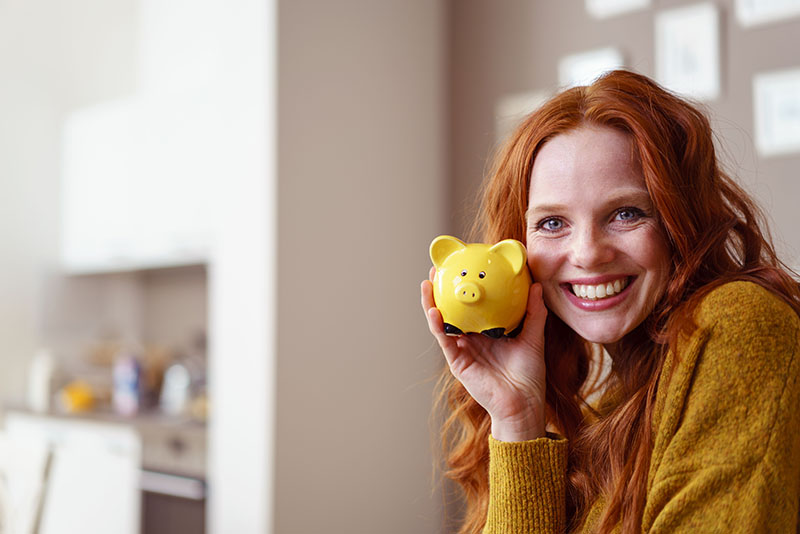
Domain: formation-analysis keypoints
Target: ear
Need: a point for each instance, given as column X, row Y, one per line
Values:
column 513, row 251
column 443, row 246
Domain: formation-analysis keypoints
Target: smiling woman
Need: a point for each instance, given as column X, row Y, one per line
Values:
column 640, row 244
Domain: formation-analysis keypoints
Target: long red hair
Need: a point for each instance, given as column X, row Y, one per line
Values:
column 716, row 234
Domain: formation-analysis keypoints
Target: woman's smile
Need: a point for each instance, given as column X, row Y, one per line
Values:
column 601, row 288
column 597, row 296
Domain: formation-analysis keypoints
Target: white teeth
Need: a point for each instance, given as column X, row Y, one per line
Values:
column 599, row 291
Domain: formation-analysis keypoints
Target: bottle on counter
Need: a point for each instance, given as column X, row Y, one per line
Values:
column 176, row 392
column 127, row 373
column 40, row 381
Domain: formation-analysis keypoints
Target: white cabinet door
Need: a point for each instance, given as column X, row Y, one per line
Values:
column 92, row 485
column 136, row 182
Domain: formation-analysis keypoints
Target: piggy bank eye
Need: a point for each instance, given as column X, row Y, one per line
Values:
column 481, row 274
column 464, row 272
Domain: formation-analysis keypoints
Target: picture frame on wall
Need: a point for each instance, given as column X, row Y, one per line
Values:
column 510, row 110
column 776, row 106
column 687, row 50
column 756, row 12
column 603, row 9
column 585, row 67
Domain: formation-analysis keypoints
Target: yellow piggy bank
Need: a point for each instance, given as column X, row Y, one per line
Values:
column 479, row 287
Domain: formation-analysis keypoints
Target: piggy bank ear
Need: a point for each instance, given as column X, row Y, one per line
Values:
column 513, row 251
column 443, row 246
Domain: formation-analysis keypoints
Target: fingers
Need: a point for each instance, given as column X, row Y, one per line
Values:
column 426, row 291
column 434, row 318
column 535, row 318
column 432, row 273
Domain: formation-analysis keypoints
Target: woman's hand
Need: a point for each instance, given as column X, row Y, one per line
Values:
column 505, row 376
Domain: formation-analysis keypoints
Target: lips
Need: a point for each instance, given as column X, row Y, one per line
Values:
column 592, row 294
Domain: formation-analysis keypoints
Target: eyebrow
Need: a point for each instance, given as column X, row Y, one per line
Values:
column 627, row 196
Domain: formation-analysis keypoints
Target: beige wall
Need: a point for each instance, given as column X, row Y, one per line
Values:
column 512, row 46
column 361, row 169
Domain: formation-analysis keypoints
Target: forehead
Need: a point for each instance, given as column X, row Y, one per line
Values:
column 583, row 161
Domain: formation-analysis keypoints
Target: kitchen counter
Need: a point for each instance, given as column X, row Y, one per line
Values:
column 175, row 445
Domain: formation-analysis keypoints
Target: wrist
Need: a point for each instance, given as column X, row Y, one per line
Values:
column 519, row 429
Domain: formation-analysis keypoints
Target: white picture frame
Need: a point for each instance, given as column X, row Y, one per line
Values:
column 585, row 67
column 776, row 109
column 687, row 50
column 751, row 13
column 603, row 9
column 511, row 109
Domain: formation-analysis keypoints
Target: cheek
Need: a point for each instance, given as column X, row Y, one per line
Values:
column 543, row 261
column 653, row 252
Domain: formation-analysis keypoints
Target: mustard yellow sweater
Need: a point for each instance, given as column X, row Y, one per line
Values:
column 726, row 455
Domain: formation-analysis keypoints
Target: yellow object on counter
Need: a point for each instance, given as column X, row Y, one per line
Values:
column 77, row 397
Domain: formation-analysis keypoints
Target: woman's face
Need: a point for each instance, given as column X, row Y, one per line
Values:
column 592, row 238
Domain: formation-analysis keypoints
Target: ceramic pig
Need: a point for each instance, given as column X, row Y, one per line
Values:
column 479, row 287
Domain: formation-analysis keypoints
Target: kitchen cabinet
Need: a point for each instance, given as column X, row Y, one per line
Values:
column 91, row 484
column 138, row 170
column 137, row 179
column 127, row 476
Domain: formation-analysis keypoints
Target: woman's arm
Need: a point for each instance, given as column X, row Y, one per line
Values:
column 527, row 481
column 727, row 451
column 507, row 378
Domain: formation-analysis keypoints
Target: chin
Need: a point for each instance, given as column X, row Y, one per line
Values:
column 598, row 332
column 601, row 339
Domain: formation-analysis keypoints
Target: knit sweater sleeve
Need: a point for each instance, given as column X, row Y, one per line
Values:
column 527, row 481
column 726, row 456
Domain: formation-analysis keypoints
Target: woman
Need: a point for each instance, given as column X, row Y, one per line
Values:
column 639, row 243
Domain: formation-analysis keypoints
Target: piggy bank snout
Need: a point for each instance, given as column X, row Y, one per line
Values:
column 468, row 292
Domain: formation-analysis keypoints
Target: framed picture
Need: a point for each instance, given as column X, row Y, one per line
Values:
column 585, row 67
column 755, row 12
column 776, row 104
column 603, row 9
column 687, row 50
column 511, row 109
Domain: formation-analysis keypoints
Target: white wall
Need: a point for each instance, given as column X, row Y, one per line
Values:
column 242, row 278
column 57, row 56
column 361, row 195
column 27, row 231
column 49, row 62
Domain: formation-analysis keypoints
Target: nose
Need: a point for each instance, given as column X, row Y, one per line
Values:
column 468, row 293
column 590, row 247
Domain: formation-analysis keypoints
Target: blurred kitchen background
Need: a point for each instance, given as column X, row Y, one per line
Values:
column 214, row 217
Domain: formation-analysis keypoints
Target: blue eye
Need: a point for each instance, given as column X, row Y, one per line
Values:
column 629, row 214
column 551, row 224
